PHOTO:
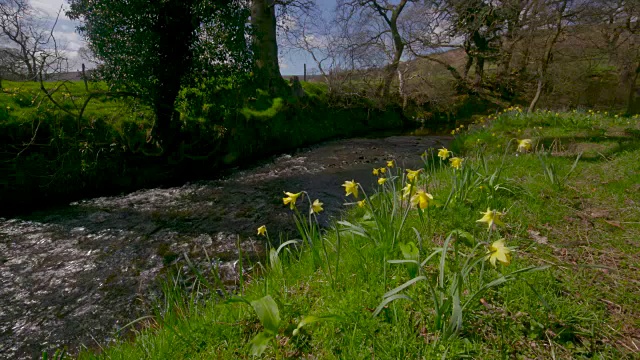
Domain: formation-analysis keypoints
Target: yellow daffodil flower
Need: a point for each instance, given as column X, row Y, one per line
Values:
column 262, row 230
column 291, row 199
column 453, row 132
column 361, row 203
column 498, row 251
column 390, row 163
column 351, row 187
column 316, row 207
column 406, row 191
column 421, row 199
column 376, row 171
column 381, row 181
column 444, row 154
column 383, row 170
column 456, row 162
column 524, row 145
column 491, row 217
column 411, row 174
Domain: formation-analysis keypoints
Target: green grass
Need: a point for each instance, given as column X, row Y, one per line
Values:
column 577, row 238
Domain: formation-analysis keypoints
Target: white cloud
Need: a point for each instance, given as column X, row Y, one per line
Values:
column 65, row 32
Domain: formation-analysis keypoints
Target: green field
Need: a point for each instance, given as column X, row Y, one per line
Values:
column 412, row 277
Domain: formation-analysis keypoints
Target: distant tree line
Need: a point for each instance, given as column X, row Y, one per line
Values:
column 411, row 51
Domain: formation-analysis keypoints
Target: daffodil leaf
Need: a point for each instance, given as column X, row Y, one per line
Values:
column 403, row 262
column 410, row 251
column 268, row 313
column 465, row 235
column 274, row 259
column 310, row 319
column 260, row 342
column 237, row 299
column 285, row 244
column 388, row 300
column 404, row 286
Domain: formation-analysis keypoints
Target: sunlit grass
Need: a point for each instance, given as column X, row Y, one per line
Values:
column 409, row 271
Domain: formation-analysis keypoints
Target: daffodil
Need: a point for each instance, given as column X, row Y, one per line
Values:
column 262, row 230
column 376, row 171
column 381, row 181
column 383, row 170
column 498, row 251
column 406, row 191
column 361, row 203
column 421, row 199
column 316, row 207
column 411, row 174
column 444, row 154
column 456, row 162
column 524, row 145
column 291, row 199
column 491, row 217
column 351, row 187
column 390, row 163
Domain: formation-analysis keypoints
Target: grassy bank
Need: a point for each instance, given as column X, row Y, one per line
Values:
column 523, row 249
column 50, row 154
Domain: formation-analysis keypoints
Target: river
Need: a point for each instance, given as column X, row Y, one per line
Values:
column 73, row 276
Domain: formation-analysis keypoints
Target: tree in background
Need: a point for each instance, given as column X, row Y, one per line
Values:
column 378, row 22
column 267, row 17
column 27, row 45
column 618, row 23
column 152, row 49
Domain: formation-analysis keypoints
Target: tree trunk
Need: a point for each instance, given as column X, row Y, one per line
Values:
column 392, row 69
column 265, row 46
column 479, row 72
column 631, row 108
column 548, row 55
column 402, row 90
column 178, row 26
column 467, row 67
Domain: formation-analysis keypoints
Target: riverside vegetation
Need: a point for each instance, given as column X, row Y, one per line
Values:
column 521, row 240
column 92, row 142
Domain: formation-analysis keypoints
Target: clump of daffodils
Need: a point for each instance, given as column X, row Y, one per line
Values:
column 444, row 154
column 406, row 191
column 412, row 174
column 456, row 162
column 351, row 187
column 421, row 199
column 316, row 207
column 492, row 218
column 524, row 145
column 498, row 251
column 291, row 199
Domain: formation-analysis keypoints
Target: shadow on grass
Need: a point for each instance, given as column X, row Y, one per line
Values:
column 618, row 144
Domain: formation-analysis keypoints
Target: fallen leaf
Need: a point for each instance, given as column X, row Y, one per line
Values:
column 596, row 214
column 614, row 223
column 535, row 235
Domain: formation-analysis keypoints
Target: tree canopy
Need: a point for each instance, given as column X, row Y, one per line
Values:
column 151, row 49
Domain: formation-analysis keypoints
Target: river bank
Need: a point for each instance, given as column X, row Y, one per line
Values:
column 72, row 276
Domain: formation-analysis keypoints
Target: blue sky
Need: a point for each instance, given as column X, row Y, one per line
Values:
column 291, row 63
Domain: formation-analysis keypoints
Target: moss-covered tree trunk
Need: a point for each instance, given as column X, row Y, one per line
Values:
column 265, row 46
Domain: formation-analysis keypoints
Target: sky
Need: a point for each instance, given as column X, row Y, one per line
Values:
column 291, row 63
column 65, row 31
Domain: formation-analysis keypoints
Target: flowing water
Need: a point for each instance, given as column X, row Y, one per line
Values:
column 73, row 276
